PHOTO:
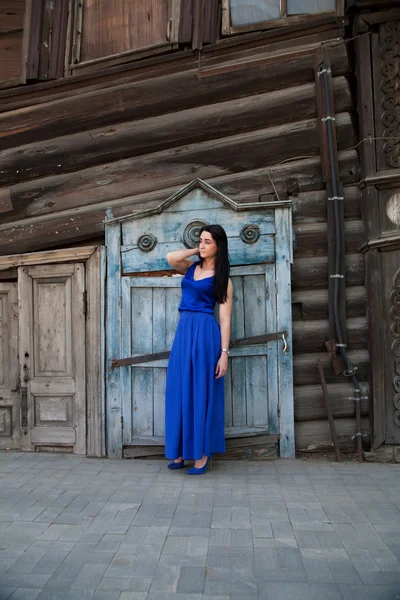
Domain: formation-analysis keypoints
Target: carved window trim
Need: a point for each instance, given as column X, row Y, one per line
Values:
column 229, row 29
column 390, row 88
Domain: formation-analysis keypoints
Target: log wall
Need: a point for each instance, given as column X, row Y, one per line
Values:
column 243, row 118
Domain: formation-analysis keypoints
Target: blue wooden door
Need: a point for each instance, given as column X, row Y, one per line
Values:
column 149, row 319
column 258, row 385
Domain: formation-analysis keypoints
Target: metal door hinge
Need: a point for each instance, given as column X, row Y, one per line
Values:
column 279, row 410
column 276, row 287
column 85, row 303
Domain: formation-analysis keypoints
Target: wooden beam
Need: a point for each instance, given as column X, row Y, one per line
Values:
column 309, row 403
column 48, row 257
column 169, row 94
column 89, row 148
column 315, row 436
column 311, row 336
column 312, row 273
column 43, row 228
column 172, row 167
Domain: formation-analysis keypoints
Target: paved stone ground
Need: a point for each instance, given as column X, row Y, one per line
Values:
column 78, row 528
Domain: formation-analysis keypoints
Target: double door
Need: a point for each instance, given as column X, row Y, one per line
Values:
column 149, row 320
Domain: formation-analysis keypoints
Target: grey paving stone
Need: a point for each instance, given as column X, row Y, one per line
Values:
column 318, row 570
column 89, row 577
column 300, row 591
column 22, row 580
column 24, row 594
column 191, row 580
column 372, row 592
column 130, row 596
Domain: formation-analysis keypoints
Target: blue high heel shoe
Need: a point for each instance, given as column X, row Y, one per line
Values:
column 202, row 470
column 176, row 465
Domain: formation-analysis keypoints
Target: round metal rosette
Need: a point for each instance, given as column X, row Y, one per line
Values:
column 191, row 234
column 250, row 234
column 147, row 242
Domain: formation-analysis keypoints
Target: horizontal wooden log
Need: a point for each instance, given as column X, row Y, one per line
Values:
column 171, row 167
column 89, row 148
column 311, row 207
column 161, row 95
column 305, row 367
column 315, row 436
column 312, row 305
column 309, row 404
column 311, row 239
column 311, row 336
column 312, row 273
column 234, row 47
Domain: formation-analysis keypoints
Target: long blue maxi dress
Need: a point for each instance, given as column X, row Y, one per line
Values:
column 194, row 399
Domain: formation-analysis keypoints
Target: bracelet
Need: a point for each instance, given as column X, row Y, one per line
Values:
column 225, row 350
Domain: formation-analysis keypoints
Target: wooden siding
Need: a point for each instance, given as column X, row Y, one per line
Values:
column 245, row 120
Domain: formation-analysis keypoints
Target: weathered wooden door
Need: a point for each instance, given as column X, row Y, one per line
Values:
column 149, row 320
column 258, row 386
column 9, row 376
column 52, row 357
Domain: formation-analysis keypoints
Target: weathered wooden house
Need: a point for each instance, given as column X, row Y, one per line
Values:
column 126, row 125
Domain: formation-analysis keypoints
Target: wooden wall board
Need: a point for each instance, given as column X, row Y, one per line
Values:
column 171, row 167
column 134, row 138
column 169, row 94
column 161, row 65
column 37, row 229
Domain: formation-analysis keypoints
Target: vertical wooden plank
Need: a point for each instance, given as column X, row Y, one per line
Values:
column 256, row 367
column 126, row 350
column 95, row 367
column 78, row 353
column 159, row 320
column 25, row 353
column 9, row 369
column 102, row 387
column 272, row 359
column 35, row 33
column 239, row 408
column 376, row 344
column 226, row 18
column 257, row 391
column 173, row 296
column 25, row 39
column 159, row 374
column 284, row 322
column 46, row 39
column 228, row 396
column 238, row 365
column 58, row 39
column 113, row 342
column 159, row 380
column 142, row 402
column 142, row 377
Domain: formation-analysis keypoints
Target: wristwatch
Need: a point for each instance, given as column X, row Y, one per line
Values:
column 225, row 350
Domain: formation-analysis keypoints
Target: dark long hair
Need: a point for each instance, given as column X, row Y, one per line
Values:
column 221, row 277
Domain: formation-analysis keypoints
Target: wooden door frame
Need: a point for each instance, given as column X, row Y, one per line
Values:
column 94, row 258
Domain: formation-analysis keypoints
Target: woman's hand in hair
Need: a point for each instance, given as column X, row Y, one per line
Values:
column 222, row 365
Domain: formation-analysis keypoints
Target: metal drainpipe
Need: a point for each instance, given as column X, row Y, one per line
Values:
column 350, row 371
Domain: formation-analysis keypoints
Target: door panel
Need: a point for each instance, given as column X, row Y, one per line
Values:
column 9, row 393
column 149, row 319
column 52, row 356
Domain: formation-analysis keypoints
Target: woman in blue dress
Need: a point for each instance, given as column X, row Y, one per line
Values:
column 194, row 399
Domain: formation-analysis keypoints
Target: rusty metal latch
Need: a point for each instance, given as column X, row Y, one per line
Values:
column 249, row 341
